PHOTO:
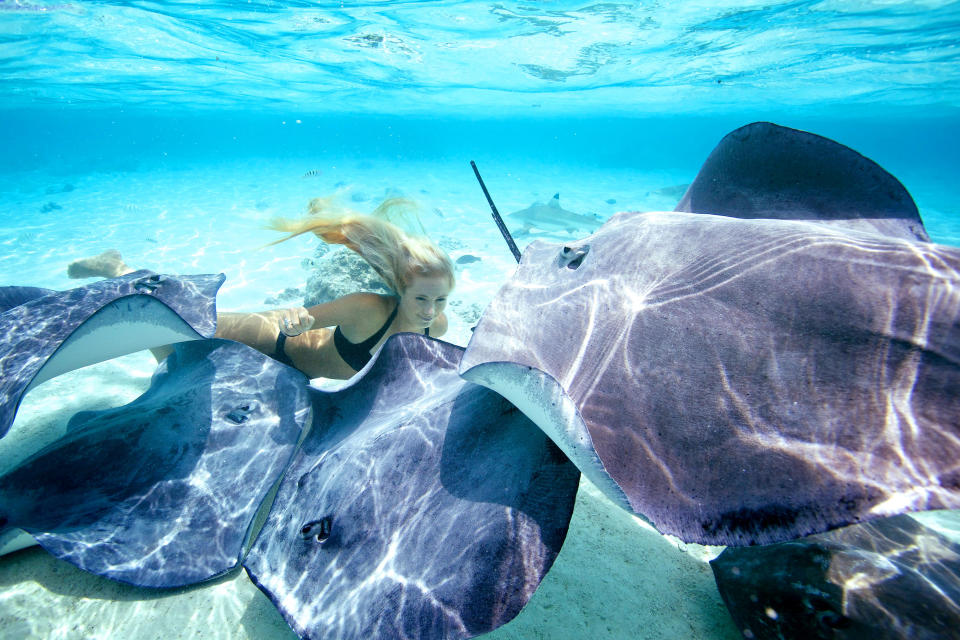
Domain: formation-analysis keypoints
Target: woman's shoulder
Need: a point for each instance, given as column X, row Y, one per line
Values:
column 353, row 312
column 366, row 301
column 368, row 311
column 439, row 326
column 370, row 308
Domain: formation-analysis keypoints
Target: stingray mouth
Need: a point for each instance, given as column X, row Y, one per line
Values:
column 149, row 284
column 545, row 402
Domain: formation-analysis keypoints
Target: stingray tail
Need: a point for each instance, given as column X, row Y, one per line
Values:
column 496, row 215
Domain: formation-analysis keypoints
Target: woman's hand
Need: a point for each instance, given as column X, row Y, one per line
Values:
column 294, row 321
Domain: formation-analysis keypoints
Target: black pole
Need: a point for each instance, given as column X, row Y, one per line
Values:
column 496, row 215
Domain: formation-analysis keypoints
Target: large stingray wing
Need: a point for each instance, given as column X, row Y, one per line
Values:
column 420, row 506
column 790, row 366
column 763, row 170
column 48, row 333
column 161, row 492
column 741, row 381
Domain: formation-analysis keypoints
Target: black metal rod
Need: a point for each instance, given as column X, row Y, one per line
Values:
column 496, row 215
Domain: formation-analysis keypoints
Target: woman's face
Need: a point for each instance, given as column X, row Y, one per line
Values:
column 423, row 300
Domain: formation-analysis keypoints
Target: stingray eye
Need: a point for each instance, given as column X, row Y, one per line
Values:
column 318, row 530
column 149, row 284
column 572, row 257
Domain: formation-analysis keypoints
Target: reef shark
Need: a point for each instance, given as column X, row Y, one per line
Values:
column 551, row 217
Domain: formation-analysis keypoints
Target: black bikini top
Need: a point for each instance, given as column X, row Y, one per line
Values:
column 357, row 354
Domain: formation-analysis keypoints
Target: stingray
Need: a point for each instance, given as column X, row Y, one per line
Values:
column 45, row 333
column 419, row 506
column 550, row 216
column 741, row 381
column 161, row 492
column 888, row 579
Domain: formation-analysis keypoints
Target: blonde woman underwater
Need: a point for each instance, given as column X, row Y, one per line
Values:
column 336, row 339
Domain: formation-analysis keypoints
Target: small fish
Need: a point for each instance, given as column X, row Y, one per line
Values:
column 313, row 173
column 467, row 259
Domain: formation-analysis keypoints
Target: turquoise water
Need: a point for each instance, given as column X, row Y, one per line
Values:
column 172, row 131
column 429, row 57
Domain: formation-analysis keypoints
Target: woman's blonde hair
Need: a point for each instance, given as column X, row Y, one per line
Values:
column 396, row 255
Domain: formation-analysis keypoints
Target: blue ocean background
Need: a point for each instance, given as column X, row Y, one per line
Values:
column 172, row 131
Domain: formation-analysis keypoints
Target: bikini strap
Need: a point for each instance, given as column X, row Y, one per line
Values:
column 368, row 344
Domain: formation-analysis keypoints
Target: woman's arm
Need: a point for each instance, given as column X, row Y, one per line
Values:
column 350, row 309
